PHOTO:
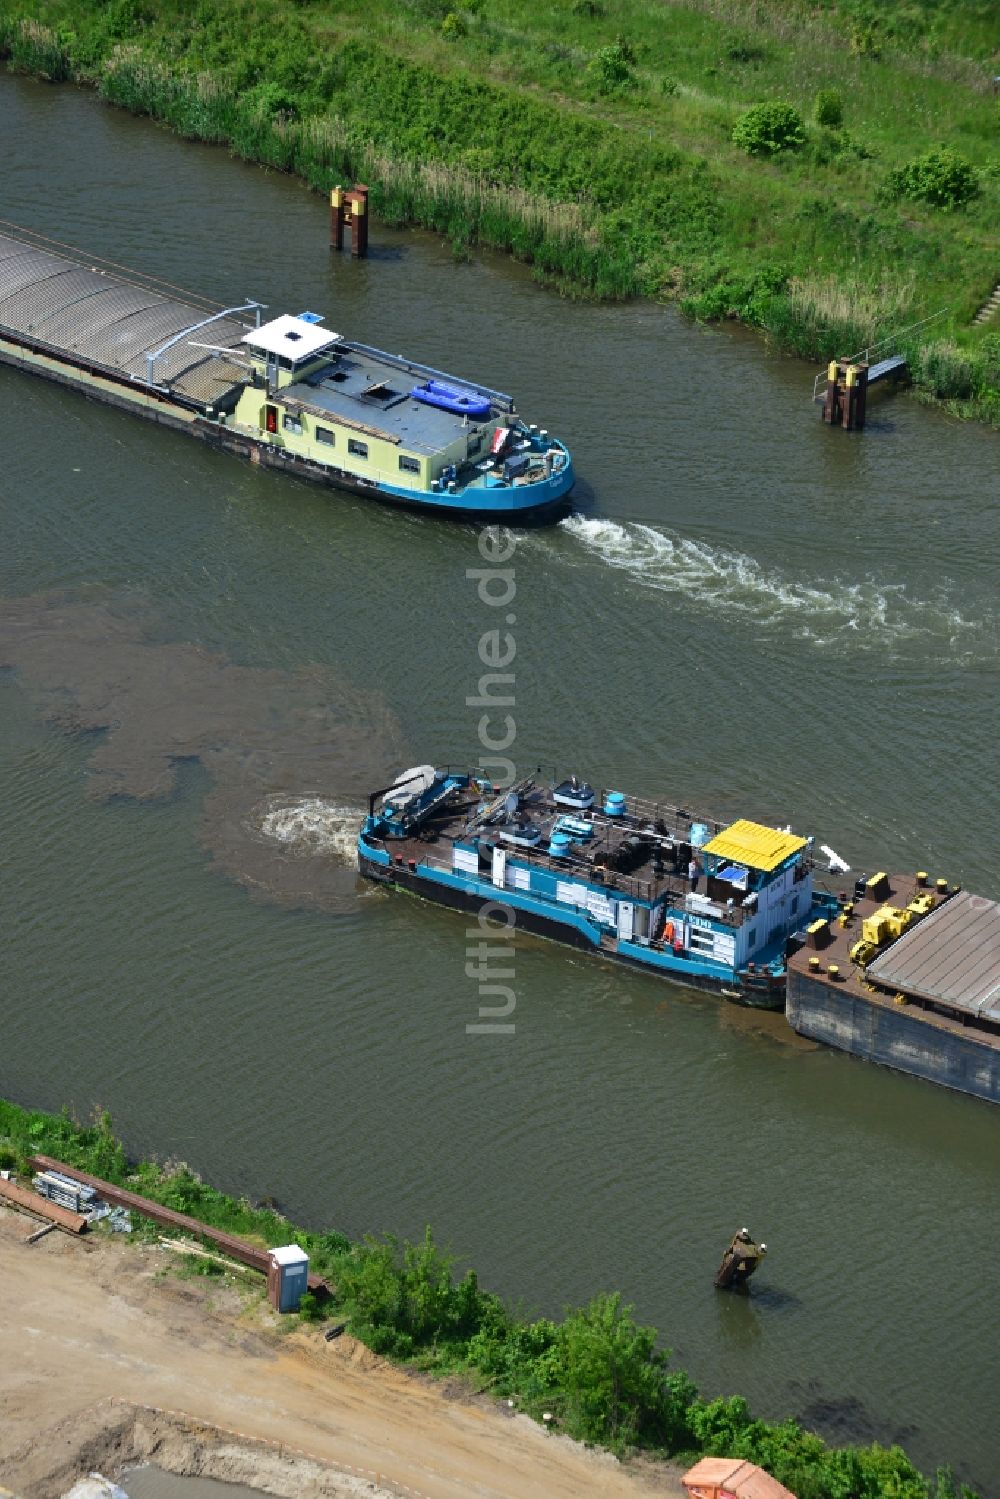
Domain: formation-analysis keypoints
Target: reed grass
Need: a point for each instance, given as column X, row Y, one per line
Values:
column 846, row 316
column 558, row 237
column 33, row 48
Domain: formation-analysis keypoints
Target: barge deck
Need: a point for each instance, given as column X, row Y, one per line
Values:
column 927, row 1004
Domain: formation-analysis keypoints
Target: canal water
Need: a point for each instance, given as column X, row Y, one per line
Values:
column 206, row 665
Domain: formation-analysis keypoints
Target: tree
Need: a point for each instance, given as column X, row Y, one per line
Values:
column 613, row 1375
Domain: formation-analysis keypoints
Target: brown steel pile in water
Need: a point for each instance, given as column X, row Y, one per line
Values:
column 291, row 755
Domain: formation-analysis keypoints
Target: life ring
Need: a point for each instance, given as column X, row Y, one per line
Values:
column 668, row 933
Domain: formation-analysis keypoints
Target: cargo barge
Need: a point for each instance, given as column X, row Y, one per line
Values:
column 286, row 393
column 898, row 970
column 640, row 882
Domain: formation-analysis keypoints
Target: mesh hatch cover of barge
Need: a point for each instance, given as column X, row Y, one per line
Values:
column 287, row 393
column 104, row 323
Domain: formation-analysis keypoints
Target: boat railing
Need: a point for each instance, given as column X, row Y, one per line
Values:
column 499, row 398
column 644, row 809
column 630, row 886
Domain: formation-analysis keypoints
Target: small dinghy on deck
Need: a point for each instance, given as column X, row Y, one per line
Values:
column 447, row 398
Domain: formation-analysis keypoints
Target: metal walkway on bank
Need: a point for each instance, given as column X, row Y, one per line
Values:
column 112, row 324
column 892, row 362
column 896, row 364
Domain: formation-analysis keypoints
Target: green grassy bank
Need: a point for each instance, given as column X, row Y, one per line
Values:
column 608, row 142
column 606, row 1379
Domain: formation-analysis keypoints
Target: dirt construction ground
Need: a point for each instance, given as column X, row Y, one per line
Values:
column 107, row 1358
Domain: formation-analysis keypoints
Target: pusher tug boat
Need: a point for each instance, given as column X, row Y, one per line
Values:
column 638, row 881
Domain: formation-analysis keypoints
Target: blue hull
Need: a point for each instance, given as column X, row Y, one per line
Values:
column 509, row 504
column 571, row 929
column 526, row 504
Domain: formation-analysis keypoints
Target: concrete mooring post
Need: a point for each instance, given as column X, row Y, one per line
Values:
column 846, row 394
column 350, row 208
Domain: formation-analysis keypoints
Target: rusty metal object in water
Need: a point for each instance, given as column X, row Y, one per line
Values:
column 739, row 1262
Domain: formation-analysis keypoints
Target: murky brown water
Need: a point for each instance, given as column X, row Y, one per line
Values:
column 290, row 754
column 748, row 611
column 153, row 1483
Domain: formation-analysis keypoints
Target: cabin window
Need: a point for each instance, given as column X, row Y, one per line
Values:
column 751, row 936
column 409, row 465
column 475, row 446
column 292, row 424
column 325, row 436
column 359, row 449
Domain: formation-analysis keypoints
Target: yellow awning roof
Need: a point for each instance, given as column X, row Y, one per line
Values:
column 754, row 845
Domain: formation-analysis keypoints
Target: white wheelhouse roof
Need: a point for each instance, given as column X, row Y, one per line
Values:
column 291, row 336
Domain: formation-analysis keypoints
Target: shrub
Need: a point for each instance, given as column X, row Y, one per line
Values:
column 592, row 9
column 613, row 1376
column 402, row 1296
column 989, row 351
column 668, row 85
column 206, row 1267
column 766, row 129
column 747, row 298
column 738, row 49
column 613, row 67
column 865, row 39
column 454, row 26
column 516, row 1357
column 8, row 1158
column 940, row 177
column 309, row 1307
column 828, row 108
column 838, row 146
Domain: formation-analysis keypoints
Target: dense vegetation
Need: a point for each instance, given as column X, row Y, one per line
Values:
column 603, row 1377
column 826, row 171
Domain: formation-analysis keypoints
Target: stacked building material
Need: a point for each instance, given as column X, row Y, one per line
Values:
column 72, row 1195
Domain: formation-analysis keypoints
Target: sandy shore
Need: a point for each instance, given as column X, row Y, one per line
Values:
column 106, row 1360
